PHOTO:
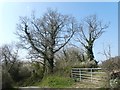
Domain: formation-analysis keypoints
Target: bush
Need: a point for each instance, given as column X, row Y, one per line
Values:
column 37, row 72
column 115, row 83
column 6, row 80
column 86, row 64
column 24, row 73
column 30, row 74
column 56, row 82
column 112, row 67
column 111, row 64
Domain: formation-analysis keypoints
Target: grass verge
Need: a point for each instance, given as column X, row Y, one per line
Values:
column 56, row 82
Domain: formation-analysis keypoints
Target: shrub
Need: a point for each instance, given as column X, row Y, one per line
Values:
column 86, row 64
column 6, row 80
column 115, row 83
column 111, row 64
column 24, row 73
column 56, row 82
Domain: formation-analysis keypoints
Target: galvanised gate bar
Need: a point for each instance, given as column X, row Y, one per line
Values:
column 89, row 74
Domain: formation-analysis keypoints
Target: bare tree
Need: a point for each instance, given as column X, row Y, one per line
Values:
column 90, row 30
column 46, row 35
column 106, row 52
column 111, row 63
column 8, row 56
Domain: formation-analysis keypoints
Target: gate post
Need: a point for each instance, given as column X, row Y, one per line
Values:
column 91, row 74
column 80, row 74
column 71, row 74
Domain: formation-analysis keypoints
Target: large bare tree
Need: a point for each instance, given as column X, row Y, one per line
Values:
column 46, row 35
column 90, row 30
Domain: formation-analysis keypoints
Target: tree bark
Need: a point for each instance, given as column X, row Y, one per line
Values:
column 90, row 53
column 51, row 63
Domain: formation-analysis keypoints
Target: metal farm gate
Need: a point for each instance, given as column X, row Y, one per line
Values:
column 87, row 74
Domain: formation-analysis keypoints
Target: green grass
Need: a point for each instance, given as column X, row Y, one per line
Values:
column 56, row 82
column 59, row 80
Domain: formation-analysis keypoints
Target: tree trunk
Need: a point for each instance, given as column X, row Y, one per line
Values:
column 51, row 63
column 90, row 53
column 44, row 67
